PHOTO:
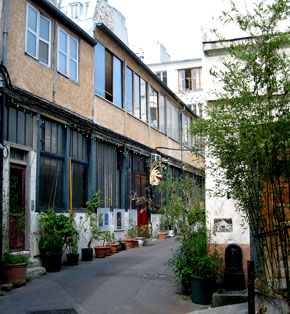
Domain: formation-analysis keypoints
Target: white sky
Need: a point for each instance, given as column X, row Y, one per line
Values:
column 175, row 24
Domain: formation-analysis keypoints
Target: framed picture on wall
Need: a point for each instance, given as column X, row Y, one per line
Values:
column 104, row 219
column 119, row 215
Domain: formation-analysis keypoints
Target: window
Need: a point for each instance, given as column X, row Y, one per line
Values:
column 137, row 96
column 185, row 130
column 67, row 55
column 18, row 127
column 162, row 104
column 153, row 108
column 38, row 35
column 129, row 90
column 79, row 160
column 108, row 75
column 189, row 79
column 51, row 166
column 162, row 75
column 76, row 10
column 173, row 128
column 143, row 100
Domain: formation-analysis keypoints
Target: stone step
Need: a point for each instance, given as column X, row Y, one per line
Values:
column 35, row 272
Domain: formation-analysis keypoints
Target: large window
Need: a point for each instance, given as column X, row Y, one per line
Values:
column 153, row 107
column 67, row 55
column 18, row 127
column 76, row 10
column 108, row 75
column 38, row 35
column 129, row 90
column 51, row 166
column 173, row 127
column 79, row 166
column 189, row 79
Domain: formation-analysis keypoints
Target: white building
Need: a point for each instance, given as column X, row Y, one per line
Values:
column 85, row 12
column 185, row 79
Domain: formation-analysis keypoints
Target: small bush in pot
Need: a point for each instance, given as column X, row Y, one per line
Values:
column 56, row 231
column 14, row 268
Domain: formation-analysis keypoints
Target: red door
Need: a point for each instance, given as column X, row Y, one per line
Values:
column 140, row 201
column 17, row 208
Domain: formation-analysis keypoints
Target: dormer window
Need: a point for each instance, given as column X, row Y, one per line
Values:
column 76, row 9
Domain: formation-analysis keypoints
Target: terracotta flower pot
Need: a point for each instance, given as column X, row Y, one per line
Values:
column 100, row 251
column 129, row 243
column 162, row 235
column 15, row 273
column 135, row 243
column 108, row 250
column 114, row 248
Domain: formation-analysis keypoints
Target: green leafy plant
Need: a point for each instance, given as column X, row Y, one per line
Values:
column 56, row 232
column 247, row 131
column 9, row 258
column 144, row 231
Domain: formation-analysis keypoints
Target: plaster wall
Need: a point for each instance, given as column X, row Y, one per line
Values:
column 28, row 74
column 25, row 72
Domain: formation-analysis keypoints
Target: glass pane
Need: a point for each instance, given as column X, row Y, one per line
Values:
column 73, row 48
column 153, row 106
column 21, row 128
column 44, row 28
column 53, row 138
column 31, row 44
column 108, row 76
column 47, row 139
column 43, row 52
column 143, row 100
column 62, row 63
column 137, row 96
column 32, row 19
column 129, row 90
column 29, row 130
column 117, row 82
column 62, row 41
column 12, row 125
column 99, row 75
column 74, row 144
column 60, row 140
column 85, row 149
column 162, row 114
column 51, row 193
column 73, row 70
column 79, row 179
column 80, row 146
column 181, row 80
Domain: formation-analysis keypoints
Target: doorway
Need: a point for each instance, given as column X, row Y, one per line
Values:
column 17, row 208
column 140, row 182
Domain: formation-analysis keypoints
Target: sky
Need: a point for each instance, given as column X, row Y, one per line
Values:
column 175, row 24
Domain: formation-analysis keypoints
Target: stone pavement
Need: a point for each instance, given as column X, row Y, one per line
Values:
column 133, row 281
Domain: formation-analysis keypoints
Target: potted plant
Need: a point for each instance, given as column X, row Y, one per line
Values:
column 131, row 233
column 55, row 231
column 14, row 268
column 143, row 233
column 163, row 227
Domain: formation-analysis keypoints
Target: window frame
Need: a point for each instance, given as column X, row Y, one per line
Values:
column 67, row 55
column 193, row 81
column 153, row 94
column 37, row 35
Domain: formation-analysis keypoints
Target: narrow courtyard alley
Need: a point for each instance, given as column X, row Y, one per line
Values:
column 132, row 281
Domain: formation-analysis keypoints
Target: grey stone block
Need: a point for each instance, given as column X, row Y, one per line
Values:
column 224, row 297
column 35, row 272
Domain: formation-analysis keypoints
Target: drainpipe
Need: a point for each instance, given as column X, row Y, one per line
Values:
column 5, row 13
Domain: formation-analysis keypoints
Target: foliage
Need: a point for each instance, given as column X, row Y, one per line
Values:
column 57, row 232
column 9, row 258
column 247, row 135
column 182, row 198
column 89, row 226
column 144, row 231
column 108, row 238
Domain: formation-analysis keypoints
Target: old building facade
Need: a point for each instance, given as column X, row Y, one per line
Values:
column 81, row 114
